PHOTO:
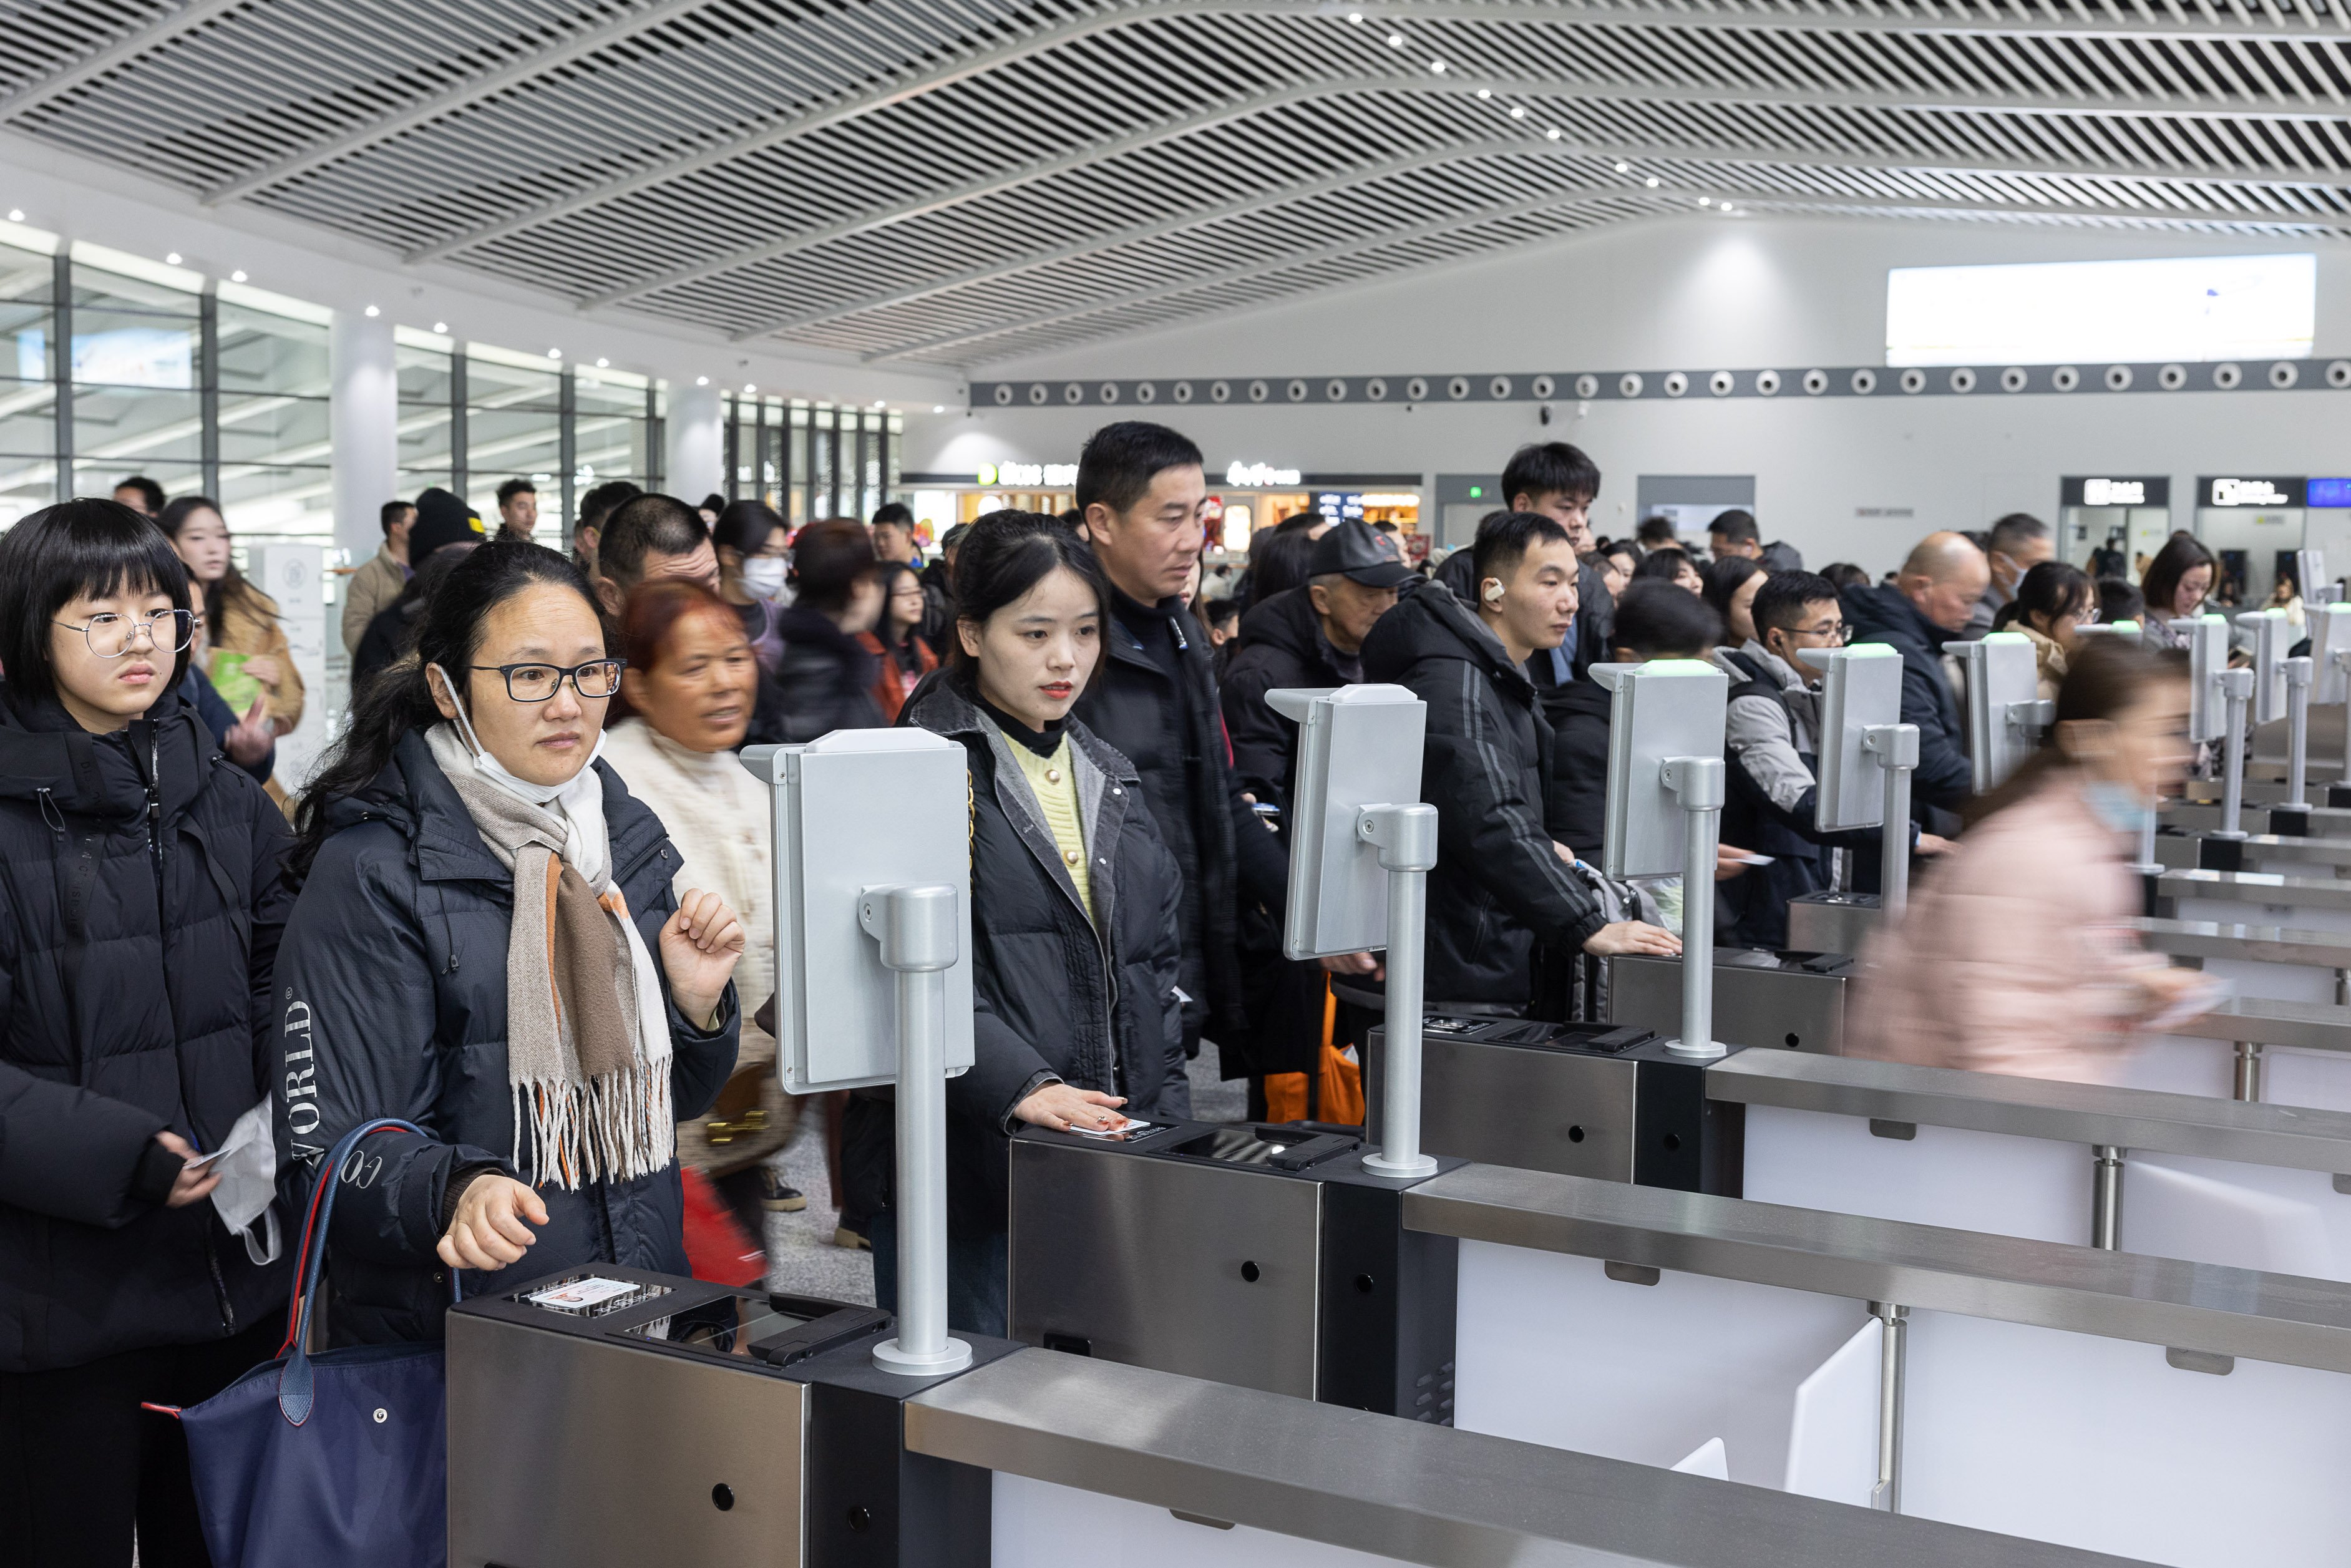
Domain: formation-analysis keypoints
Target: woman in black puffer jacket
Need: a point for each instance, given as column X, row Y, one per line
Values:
column 824, row 679
column 1077, row 1019
column 141, row 903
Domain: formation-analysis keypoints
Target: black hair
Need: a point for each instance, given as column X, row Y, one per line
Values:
column 2181, row 554
column 1222, row 611
column 1845, row 575
column 1786, row 596
column 714, row 503
column 1623, row 547
column 513, row 487
column 1724, row 579
column 893, row 514
column 643, row 525
column 745, row 528
column 2016, row 528
column 149, row 491
column 1549, row 468
column 398, row 700
column 389, row 513
column 1654, row 531
column 2053, row 590
column 1736, row 526
column 1007, row 554
column 829, row 558
column 2118, row 601
column 599, row 503
column 232, row 589
column 1119, row 462
column 1655, row 621
column 1664, row 563
column 1504, row 538
column 1278, row 561
column 75, row 548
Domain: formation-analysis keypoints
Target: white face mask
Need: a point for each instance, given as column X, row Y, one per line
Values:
column 763, row 577
column 496, row 772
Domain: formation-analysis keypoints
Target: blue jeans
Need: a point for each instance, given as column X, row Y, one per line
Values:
column 978, row 1274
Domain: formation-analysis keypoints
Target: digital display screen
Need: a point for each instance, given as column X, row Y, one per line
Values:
column 1234, row 1146
column 2329, row 493
column 2101, row 312
column 729, row 1326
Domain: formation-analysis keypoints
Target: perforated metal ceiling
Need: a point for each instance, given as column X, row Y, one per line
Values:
column 950, row 181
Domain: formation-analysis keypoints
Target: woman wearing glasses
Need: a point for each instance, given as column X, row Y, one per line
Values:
column 487, row 945
column 140, row 907
column 2054, row 601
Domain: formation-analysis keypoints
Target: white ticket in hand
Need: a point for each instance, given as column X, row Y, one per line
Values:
column 578, row 1295
column 1131, row 1125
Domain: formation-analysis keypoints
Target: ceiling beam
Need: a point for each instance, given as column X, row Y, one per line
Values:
column 459, row 94
column 184, row 17
column 1678, row 205
column 1210, row 117
column 1943, row 19
column 1466, row 153
column 1589, row 13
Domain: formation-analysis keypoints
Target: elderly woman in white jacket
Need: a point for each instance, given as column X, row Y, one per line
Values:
column 691, row 680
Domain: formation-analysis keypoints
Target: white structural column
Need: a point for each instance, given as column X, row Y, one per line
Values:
column 696, row 464
column 364, row 414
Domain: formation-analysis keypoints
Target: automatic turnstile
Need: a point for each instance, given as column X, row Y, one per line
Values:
column 1792, row 1000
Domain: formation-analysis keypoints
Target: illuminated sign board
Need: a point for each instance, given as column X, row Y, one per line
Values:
column 1027, row 475
column 2146, row 490
column 1259, row 476
column 2327, row 493
column 2244, row 492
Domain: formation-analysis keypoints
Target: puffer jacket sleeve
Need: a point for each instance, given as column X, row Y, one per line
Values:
column 355, row 1039
column 1165, row 962
column 271, row 899
column 1262, row 739
column 1487, row 824
column 1943, row 777
column 1003, row 1062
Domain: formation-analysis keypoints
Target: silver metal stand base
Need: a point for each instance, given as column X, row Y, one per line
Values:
column 1419, row 1165
column 1704, row 1050
column 890, row 1358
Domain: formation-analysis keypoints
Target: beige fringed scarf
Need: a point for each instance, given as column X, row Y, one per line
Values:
column 587, row 1048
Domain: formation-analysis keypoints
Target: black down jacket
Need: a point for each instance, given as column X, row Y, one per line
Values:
column 1281, row 644
column 393, row 981
column 824, row 682
column 1499, row 884
column 1091, row 1002
column 141, row 906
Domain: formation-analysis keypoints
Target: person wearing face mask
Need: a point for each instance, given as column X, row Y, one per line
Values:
column 1077, row 1013
column 487, row 944
column 2016, row 953
column 825, row 679
column 687, row 694
column 2013, row 547
column 141, row 909
column 753, row 548
column 1502, row 880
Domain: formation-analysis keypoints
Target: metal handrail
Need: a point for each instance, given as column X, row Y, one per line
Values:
column 2228, row 939
column 2262, row 887
column 2083, row 1289
column 1218, row 1456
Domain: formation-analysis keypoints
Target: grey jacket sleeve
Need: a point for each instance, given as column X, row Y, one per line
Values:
column 1758, row 736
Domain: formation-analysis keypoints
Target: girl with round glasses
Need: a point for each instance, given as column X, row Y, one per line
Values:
column 141, row 906
column 487, row 944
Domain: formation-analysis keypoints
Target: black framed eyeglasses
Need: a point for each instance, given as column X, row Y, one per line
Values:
column 597, row 679
column 109, row 635
column 1839, row 635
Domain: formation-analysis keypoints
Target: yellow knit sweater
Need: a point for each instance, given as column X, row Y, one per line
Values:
column 1055, row 784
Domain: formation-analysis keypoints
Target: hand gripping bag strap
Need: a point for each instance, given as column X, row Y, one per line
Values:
column 296, row 1387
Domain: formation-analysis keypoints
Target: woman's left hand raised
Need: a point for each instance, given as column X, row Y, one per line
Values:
column 699, row 945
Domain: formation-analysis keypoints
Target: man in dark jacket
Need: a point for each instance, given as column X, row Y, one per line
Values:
column 1927, row 605
column 1560, row 482
column 1142, row 493
column 1501, row 880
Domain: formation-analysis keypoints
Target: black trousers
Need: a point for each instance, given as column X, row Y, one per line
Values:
column 82, row 1464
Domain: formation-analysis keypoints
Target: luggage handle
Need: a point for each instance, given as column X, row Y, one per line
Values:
column 296, row 1390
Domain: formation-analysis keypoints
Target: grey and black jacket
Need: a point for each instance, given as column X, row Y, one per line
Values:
column 391, row 988
column 1498, row 884
column 141, row 906
column 1056, row 995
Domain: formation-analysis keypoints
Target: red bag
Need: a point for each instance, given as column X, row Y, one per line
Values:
column 716, row 1247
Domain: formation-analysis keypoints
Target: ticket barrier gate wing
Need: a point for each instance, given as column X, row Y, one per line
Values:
column 1831, row 921
column 2187, row 1413
column 1267, row 1257
column 1789, row 999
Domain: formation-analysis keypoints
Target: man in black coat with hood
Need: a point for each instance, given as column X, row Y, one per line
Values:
column 1927, row 605
column 1141, row 496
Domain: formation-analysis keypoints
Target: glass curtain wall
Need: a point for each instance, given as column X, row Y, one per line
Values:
column 811, row 460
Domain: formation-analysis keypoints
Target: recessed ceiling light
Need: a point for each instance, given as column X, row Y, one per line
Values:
column 441, row 326
column 554, row 353
column 373, row 311
column 1706, row 201
column 16, row 215
column 1355, row 16
column 1517, row 112
column 237, row 276
column 1624, row 168
column 173, row 259
column 702, row 380
column 942, row 408
column 1485, row 92
column 1554, row 133
column 1395, row 40
column 1651, row 182
column 749, row 386
column 1437, row 65
column 881, row 403
column 601, row 362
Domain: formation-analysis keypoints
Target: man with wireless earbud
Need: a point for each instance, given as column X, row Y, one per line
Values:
column 1502, row 879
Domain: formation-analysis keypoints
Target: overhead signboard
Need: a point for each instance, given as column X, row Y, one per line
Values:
column 1027, row 476
column 2243, row 490
column 2327, row 493
column 2115, row 490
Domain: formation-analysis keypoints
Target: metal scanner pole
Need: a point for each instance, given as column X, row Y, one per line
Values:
column 1406, row 836
column 1699, row 782
column 1897, row 747
column 916, row 928
column 2342, row 659
column 2298, row 675
column 2237, row 686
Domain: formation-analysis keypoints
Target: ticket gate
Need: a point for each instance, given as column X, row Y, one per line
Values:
column 1276, row 1261
column 1793, row 1000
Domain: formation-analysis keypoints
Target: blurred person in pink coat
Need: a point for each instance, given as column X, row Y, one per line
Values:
column 2015, row 954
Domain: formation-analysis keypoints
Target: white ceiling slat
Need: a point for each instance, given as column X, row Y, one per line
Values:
column 142, row 39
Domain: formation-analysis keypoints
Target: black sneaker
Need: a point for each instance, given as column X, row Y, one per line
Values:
column 775, row 1195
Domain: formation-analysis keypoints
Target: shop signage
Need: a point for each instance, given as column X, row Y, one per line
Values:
column 2251, row 492
column 1027, row 475
column 2327, row 493
column 2149, row 490
column 1259, row 476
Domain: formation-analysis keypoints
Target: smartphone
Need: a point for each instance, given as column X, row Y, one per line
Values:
column 1270, row 813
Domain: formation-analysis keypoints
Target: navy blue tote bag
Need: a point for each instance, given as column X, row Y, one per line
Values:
column 341, row 1458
